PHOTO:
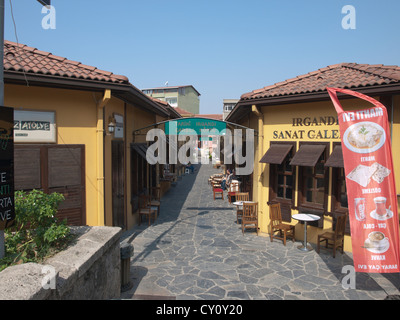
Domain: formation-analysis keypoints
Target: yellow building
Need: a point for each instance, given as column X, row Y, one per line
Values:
column 298, row 158
column 73, row 132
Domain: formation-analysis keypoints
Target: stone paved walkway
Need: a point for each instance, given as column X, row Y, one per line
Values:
column 196, row 250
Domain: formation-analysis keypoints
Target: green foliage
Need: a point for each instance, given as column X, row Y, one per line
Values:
column 37, row 231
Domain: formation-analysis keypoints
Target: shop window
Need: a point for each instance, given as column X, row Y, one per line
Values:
column 314, row 184
column 282, row 176
column 339, row 194
column 313, row 178
column 284, row 181
column 339, row 204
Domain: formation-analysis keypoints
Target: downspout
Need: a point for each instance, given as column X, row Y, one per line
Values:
column 100, row 141
column 260, row 166
column 391, row 119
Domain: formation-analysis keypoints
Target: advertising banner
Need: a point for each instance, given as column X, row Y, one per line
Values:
column 371, row 190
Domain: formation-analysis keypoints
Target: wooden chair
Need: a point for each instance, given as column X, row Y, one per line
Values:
column 145, row 209
column 276, row 224
column 233, row 190
column 250, row 216
column 156, row 199
column 218, row 191
column 335, row 238
column 241, row 196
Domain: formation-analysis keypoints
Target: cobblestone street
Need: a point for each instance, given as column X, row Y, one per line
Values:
column 196, row 250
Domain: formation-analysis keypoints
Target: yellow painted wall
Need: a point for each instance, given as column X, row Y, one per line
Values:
column 396, row 143
column 76, row 124
column 76, row 119
column 134, row 118
column 279, row 119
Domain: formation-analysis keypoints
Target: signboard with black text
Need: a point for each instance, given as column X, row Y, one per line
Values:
column 7, row 212
column 34, row 126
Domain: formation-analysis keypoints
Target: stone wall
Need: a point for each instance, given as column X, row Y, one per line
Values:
column 88, row 269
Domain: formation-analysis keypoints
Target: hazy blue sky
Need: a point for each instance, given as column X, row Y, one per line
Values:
column 224, row 48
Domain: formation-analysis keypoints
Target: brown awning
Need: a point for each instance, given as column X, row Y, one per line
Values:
column 276, row 153
column 308, row 155
column 336, row 158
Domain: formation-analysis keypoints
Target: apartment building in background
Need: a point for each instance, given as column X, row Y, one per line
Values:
column 184, row 97
column 229, row 104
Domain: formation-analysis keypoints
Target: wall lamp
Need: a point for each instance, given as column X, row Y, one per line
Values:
column 111, row 126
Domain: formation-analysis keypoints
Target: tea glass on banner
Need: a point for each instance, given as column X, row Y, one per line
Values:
column 380, row 206
column 360, row 208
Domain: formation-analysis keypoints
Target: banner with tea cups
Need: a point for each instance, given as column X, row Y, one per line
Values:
column 370, row 182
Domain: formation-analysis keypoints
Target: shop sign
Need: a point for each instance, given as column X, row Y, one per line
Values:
column 307, row 128
column 197, row 124
column 370, row 182
column 7, row 212
column 34, row 126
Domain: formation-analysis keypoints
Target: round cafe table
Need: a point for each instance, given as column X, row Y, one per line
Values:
column 240, row 203
column 305, row 217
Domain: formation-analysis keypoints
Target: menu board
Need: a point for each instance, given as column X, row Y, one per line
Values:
column 370, row 183
column 7, row 212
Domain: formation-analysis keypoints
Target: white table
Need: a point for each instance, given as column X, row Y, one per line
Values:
column 305, row 217
column 240, row 203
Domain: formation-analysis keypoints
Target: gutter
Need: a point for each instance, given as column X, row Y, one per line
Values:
column 100, row 167
column 260, row 166
column 238, row 112
column 130, row 93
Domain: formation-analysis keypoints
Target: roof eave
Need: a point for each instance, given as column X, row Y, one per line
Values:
column 240, row 110
column 125, row 91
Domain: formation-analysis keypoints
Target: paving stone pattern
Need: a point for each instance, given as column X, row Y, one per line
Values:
column 196, row 250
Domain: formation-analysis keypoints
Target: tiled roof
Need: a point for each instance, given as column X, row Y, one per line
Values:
column 344, row 75
column 19, row 57
column 166, row 106
column 210, row 116
column 183, row 112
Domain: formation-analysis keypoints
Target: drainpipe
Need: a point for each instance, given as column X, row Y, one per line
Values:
column 260, row 166
column 100, row 133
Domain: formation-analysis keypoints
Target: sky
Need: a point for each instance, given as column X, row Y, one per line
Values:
column 224, row 48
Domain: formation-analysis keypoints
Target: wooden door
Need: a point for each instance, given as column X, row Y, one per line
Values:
column 54, row 168
column 118, row 194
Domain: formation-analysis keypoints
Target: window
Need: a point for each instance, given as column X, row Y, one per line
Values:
column 314, row 183
column 313, row 176
column 339, row 194
column 228, row 107
column 284, row 181
column 342, row 190
column 282, row 176
column 173, row 102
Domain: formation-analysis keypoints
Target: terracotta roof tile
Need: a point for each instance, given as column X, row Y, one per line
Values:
column 210, row 116
column 343, row 75
column 19, row 57
column 183, row 112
